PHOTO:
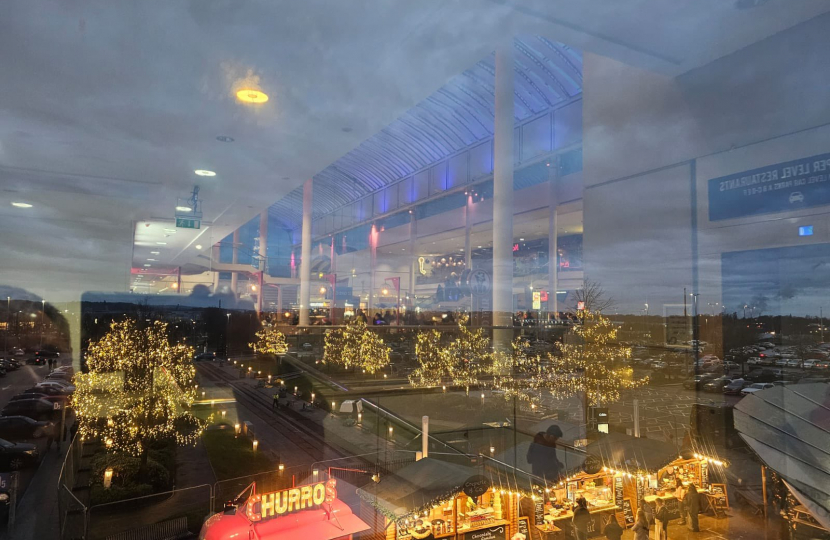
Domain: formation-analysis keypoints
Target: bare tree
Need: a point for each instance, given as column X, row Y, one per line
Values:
column 594, row 296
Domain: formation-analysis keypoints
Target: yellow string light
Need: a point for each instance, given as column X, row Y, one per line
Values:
column 355, row 346
column 269, row 341
column 139, row 389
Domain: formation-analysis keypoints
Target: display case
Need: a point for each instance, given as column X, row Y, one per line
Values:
column 598, row 491
column 456, row 517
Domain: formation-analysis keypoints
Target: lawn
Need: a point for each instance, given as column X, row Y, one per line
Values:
column 232, row 457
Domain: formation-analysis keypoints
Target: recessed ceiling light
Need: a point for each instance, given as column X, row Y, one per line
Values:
column 249, row 95
column 224, row 138
column 161, row 243
column 204, row 172
column 151, row 259
column 148, row 265
column 198, row 246
column 479, row 247
column 184, row 209
column 155, row 252
column 521, row 239
column 171, row 231
column 21, row 205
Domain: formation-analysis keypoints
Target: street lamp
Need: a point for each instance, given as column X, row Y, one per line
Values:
column 8, row 322
column 42, row 320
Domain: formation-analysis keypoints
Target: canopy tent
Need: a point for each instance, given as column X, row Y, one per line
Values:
column 631, row 454
column 416, row 486
column 788, row 427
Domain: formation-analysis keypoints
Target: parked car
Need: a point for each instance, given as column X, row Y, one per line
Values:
column 754, row 361
column 696, row 382
column 764, row 375
column 735, row 386
column 16, row 456
column 716, row 385
column 15, row 428
column 781, row 362
column 756, row 387
column 824, row 364
column 10, row 364
column 794, row 362
column 809, row 364
column 63, row 385
column 60, row 375
column 658, row 365
column 36, row 361
column 38, row 409
column 48, row 390
column 729, row 365
column 210, row 356
column 62, row 399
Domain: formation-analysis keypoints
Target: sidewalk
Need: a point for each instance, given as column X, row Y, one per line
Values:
column 37, row 511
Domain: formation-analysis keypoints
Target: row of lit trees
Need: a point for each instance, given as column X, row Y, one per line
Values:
column 139, row 387
column 589, row 363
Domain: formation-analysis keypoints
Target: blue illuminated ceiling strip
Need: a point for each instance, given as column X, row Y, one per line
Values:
column 457, row 116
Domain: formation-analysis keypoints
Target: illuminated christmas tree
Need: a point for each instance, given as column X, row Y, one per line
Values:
column 355, row 346
column 460, row 363
column 269, row 341
column 468, row 355
column 591, row 363
column 139, row 389
column 433, row 365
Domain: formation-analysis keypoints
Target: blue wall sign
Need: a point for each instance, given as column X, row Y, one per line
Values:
column 805, row 230
column 783, row 187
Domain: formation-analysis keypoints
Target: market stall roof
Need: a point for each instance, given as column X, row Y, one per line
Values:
column 415, row 486
column 625, row 452
column 572, row 459
column 316, row 524
column 789, row 428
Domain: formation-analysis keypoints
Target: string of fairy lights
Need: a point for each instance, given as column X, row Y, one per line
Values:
column 462, row 362
column 269, row 341
column 355, row 346
column 591, row 363
column 139, row 389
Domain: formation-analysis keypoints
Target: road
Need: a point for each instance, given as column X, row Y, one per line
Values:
column 35, row 485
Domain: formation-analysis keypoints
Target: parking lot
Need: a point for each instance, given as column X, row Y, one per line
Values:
column 35, row 482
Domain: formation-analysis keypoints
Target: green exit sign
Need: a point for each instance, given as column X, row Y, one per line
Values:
column 183, row 223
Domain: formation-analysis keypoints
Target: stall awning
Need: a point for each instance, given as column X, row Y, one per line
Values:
column 416, row 486
column 317, row 524
column 634, row 454
column 789, row 428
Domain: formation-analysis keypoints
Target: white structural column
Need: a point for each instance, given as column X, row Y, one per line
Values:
column 414, row 268
column 468, row 249
column 263, row 258
column 503, row 198
column 553, row 242
column 214, row 260
column 373, row 260
column 235, row 260
column 305, row 257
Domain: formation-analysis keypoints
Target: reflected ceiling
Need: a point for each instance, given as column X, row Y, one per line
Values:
column 455, row 117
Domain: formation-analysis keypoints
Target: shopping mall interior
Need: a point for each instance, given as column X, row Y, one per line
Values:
column 390, row 261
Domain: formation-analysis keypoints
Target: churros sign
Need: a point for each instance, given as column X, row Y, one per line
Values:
column 278, row 503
